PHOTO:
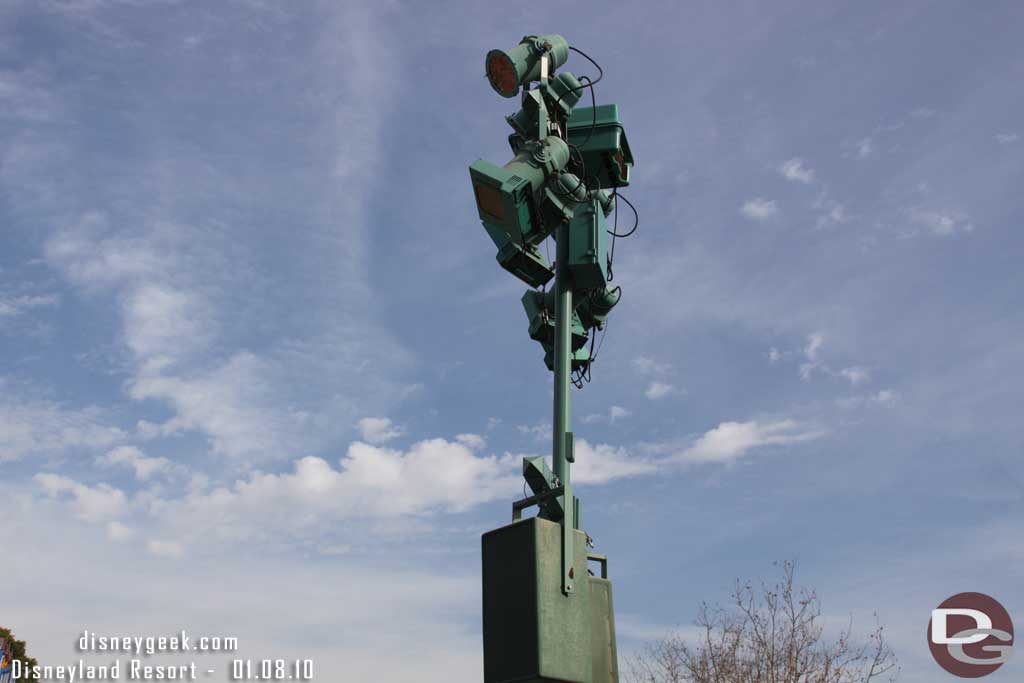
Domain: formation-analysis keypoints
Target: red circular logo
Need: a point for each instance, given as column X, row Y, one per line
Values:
column 970, row 635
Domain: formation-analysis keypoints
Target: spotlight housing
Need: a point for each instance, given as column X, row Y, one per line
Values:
column 506, row 71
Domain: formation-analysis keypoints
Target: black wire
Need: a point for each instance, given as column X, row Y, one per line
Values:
column 604, row 331
column 615, row 229
column 572, row 192
column 591, row 84
column 593, row 112
column 636, row 216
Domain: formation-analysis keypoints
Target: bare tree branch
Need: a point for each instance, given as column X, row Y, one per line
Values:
column 772, row 634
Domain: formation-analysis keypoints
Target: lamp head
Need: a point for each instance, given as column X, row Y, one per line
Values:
column 506, row 71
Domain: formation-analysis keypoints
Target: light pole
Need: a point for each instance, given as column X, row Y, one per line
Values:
column 546, row 618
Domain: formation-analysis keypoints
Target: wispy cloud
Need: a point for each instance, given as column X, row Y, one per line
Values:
column 614, row 413
column 659, row 390
column 90, row 503
column 378, row 430
column 795, row 170
column 650, row 366
column 15, row 305
column 865, row 148
column 472, row 441
column 941, row 223
column 730, row 441
column 145, row 467
column 760, row 209
column 37, row 427
column 601, row 463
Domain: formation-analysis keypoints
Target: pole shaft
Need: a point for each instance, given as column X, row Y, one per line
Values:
column 562, row 416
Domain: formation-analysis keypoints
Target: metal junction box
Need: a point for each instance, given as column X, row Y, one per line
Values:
column 599, row 135
column 588, row 253
column 533, row 633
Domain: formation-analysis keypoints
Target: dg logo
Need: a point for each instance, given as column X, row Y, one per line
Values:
column 970, row 635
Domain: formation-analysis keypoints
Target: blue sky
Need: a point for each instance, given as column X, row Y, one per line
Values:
column 260, row 374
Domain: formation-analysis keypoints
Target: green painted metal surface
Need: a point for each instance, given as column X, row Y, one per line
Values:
column 542, row 320
column 607, row 151
column 588, row 251
column 593, row 310
column 533, row 632
column 507, row 70
column 562, row 408
column 545, row 619
column 602, row 632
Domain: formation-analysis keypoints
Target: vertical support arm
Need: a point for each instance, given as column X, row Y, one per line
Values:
column 542, row 113
column 562, row 436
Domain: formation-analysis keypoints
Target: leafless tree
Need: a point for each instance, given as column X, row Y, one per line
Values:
column 766, row 634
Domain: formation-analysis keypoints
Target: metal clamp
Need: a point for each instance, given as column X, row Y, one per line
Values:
column 603, row 560
column 519, row 505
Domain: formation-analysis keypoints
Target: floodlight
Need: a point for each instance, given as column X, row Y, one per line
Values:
column 506, row 71
column 595, row 307
column 519, row 210
column 542, row 320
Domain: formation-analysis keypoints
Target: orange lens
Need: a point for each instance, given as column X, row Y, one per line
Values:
column 502, row 73
column 489, row 201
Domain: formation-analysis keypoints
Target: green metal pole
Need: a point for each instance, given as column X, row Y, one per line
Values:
column 562, row 436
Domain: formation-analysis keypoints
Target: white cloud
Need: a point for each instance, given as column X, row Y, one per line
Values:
column 184, row 309
column 378, row 430
column 732, row 440
column 130, row 456
column 169, row 549
column 16, row 305
column 760, row 209
column 617, row 412
column 232, row 404
column 855, row 374
column 371, row 482
column 427, row 620
column 812, row 351
column 884, row 397
column 795, row 170
column 602, row 463
column 473, row 441
column 942, row 223
column 40, row 428
column 1007, row 138
column 865, row 148
column 649, row 366
column 161, row 320
column 815, row 340
column 539, row 432
column 90, row 503
column 659, row 390
column 614, row 413
column 834, row 213
column 119, row 532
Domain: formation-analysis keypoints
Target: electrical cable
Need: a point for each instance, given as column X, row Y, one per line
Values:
column 636, row 216
column 615, row 228
column 600, row 75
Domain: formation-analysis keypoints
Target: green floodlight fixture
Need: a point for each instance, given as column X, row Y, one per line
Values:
column 520, row 208
column 546, row 618
column 506, row 71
